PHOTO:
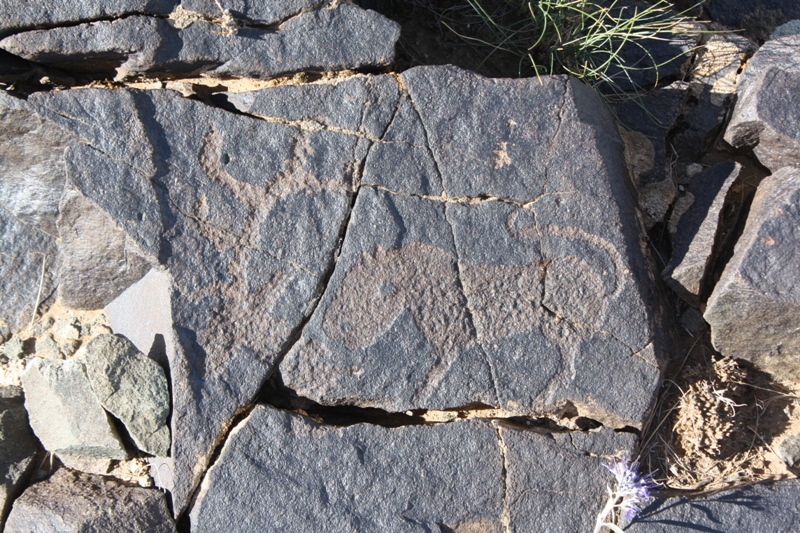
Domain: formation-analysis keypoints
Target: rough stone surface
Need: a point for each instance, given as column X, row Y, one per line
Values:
column 131, row 387
column 754, row 311
column 98, row 259
column 693, row 242
column 69, row 501
column 332, row 38
column 646, row 124
column 759, row 17
column 440, row 302
column 773, row 507
column 18, row 448
column 243, row 214
column 43, row 13
column 244, row 217
column 765, row 117
column 262, row 13
column 276, row 472
column 64, row 412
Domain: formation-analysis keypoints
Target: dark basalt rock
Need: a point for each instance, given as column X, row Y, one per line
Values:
column 754, row 311
column 45, row 14
column 334, row 38
column 18, row 448
column 278, row 471
column 770, row 507
column 69, row 501
column 693, row 242
column 765, row 117
column 758, row 17
column 506, row 289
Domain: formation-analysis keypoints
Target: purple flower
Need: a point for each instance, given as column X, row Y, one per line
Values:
column 632, row 489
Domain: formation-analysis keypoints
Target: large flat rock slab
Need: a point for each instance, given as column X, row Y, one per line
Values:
column 327, row 38
column 277, row 472
column 69, row 501
column 521, row 285
column 765, row 117
column 754, row 311
column 243, row 214
column 770, row 507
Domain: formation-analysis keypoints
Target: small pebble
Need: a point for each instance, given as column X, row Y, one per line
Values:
column 69, row 348
column 14, row 348
column 47, row 347
column 67, row 329
column 42, row 326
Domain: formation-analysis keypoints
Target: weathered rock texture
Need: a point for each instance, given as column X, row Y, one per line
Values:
column 131, row 387
column 765, row 117
column 276, row 472
column 328, row 38
column 759, row 17
column 754, row 311
column 64, row 412
column 482, row 261
column 695, row 235
column 773, row 507
column 513, row 283
column 69, row 501
column 18, row 448
column 645, row 126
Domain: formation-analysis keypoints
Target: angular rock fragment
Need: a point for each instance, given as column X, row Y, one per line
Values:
column 131, row 387
column 64, row 412
column 45, row 14
column 520, row 287
column 759, row 17
column 766, row 118
column 771, row 506
column 277, row 469
column 70, row 501
column 98, row 259
column 754, row 311
column 18, row 448
column 693, row 242
column 332, row 38
column 645, row 125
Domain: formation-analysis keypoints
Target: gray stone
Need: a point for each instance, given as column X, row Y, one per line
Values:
column 765, row 117
column 554, row 486
column 46, row 346
column 131, row 387
column 754, row 311
column 45, row 14
column 695, row 236
column 506, row 289
column 773, row 507
column 758, row 17
column 790, row 28
column 98, row 259
column 69, row 501
column 244, row 216
column 646, row 123
column 24, row 249
column 64, row 412
column 18, row 448
column 67, row 329
column 31, row 164
column 261, row 13
column 329, row 38
column 42, row 325
column 789, row 450
column 14, row 348
column 277, row 469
